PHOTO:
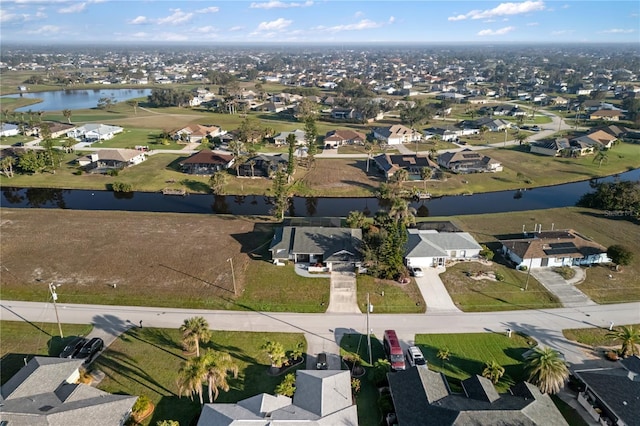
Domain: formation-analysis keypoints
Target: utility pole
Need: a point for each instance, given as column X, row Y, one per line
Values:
column 54, row 296
column 233, row 276
column 526, row 284
column 369, row 330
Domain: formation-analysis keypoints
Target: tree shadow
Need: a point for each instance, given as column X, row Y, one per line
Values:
column 111, row 324
column 182, row 409
column 195, row 186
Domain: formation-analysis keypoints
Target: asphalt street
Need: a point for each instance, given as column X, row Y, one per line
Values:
column 545, row 325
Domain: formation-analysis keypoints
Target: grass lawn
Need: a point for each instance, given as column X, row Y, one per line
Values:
column 470, row 352
column 593, row 336
column 605, row 230
column 146, row 362
column 477, row 295
column 27, row 339
column 397, row 298
column 369, row 413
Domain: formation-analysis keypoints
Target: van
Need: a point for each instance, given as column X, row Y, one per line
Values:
column 321, row 362
column 393, row 350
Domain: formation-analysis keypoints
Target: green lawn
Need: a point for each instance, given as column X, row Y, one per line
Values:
column 592, row 336
column 469, row 353
column 22, row 340
column 146, row 362
column 477, row 295
column 397, row 298
column 280, row 289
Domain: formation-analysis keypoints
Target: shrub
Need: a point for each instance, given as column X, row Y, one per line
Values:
column 486, row 252
column 121, row 187
column 499, row 276
column 78, row 172
column 565, row 272
column 141, row 406
column 612, row 355
column 113, row 172
column 523, row 267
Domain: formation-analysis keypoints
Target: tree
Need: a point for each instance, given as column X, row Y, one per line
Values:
column 218, row 181
column 356, row 219
column 368, row 148
column 32, row 161
column 288, row 386
column 66, row 113
column 297, row 352
column 521, row 137
column 381, row 368
column 195, row 330
column 190, row 377
column 167, row 423
column 291, row 141
column 620, row 255
column 443, row 354
column 217, row 365
column 276, row 353
column 133, row 103
column 310, row 136
column 601, row 157
column 546, row 369
column 493, row 371
column 486, row 252
column 6, row 164
column 280, row 193
column 629, row 337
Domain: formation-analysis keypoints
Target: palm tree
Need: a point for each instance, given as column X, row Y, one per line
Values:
column 195, row 330
column 547, row 370
column 601, row 157
column 252, row 164
column 521, row 137
column 443, row 354
column 216, row 366
column 218, row 181
column 401, row 211
column 629, row 337
column 67, row 114
column 190, row 377
column 493, row 371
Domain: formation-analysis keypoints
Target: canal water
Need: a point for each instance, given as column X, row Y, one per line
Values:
column 58, row 100
column 492, row 202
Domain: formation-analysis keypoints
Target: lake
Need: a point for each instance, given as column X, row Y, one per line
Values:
column 77, row 99
column 492, row 202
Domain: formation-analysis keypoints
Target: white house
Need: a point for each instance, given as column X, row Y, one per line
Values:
column 281, row 138
column 94, row 132
column 543, row 249
column 8, row 129
column 396, row 134
column 426, row 248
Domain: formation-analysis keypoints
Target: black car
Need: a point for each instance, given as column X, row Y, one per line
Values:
column 90, row 348
column 73, row 347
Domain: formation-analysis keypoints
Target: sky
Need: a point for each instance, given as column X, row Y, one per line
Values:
column 318, row 21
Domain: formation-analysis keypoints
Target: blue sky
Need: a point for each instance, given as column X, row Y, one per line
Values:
column 328, row 21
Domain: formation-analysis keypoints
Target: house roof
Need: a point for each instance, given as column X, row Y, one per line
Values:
column 419, row 394
column 101, row 129
column 465, row 156
column 299, row 134
column 334, row 244
column 208, row 157
column 561, row 243
column 617, row 388
column 394, row 131
column 557, row 144
column 436, row 244
column 344, row 135
column 321, row 398
column 198, row 130
column 606, row 113
column 124, row 155
column 39, row 394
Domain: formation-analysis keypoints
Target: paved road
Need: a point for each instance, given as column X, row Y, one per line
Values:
column 544, row 324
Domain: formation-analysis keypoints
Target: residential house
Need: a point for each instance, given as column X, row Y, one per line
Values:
column 345, row 114
column 606, row 115
column 262, row 165
column 317, row 244
column 468, row 161
column 194, row 133
column 111, row 159
column 602, row 139
column 553, row 147
column 542, row 249
column 389, row 164
column 322, row 397
column 396, row 134
column 8, row 129
column 450, row 133
column 45, row 392
column 206, row 162
column 493, row 125
column 94, row 132
column 426, row 248
column 281, row 138
column 612, row 395
column 421, row 396
column 339, row 137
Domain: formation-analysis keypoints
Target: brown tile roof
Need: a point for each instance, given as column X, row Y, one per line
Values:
column 207, row 157
column 547, row 244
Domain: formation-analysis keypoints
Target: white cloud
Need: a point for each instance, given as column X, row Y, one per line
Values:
column 275, row 4
column 236, row 28
column 139, row 20
column 392, row 19
column 501, row 31
column 207, row 29
column 358, row 14
column 46, row 30
column 212, row 9
column 73, row 8
column 277, row 25
column 562, row 32
column 177, row 17
column 617, row 31
column 533, row 24
column 364, row 24
column 501, row 10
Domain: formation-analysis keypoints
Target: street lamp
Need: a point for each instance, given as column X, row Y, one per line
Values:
column 233, row 276
column 54, row 296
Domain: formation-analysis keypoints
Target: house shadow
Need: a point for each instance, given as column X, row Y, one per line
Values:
column 183, row 409
column 255, row 243
column 175, row 164
column 11, row 363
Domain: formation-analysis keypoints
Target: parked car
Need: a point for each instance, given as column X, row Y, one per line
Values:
column 90, row 349
column 321, row 362
column 73, row 347
column 536, row 129
column 415, row 357
column 416, row 272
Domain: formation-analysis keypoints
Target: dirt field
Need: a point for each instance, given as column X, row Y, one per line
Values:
column 125, row 257
column 338, row 177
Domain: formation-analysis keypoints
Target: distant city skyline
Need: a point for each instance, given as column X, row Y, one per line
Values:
column 318, row 21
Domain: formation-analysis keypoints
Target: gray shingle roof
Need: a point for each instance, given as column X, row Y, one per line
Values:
column 335, row 244
column 436, row 244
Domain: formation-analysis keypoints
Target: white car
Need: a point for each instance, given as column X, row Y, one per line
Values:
column 415, row 357
column 416, row 272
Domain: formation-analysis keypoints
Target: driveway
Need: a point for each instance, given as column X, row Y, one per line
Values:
column 564, row 290
column 343, row 297
column 434, row 292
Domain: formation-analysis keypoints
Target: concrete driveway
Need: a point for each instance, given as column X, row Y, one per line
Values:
column 434, row 292
column 564, row 290
column 343, row 297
